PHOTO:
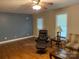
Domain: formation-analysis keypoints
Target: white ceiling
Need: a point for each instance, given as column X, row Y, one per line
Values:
column 25, row 6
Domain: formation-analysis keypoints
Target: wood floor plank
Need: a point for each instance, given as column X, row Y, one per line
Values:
column 24, row 49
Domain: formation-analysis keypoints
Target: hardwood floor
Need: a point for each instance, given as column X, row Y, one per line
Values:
column 23, row 49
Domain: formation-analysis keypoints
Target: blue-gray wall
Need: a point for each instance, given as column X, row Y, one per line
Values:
column 15, row 26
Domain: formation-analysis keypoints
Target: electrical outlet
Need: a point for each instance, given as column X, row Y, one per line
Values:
column 28, row 34
column 27, row 18
column 15, row 36
column 5, row 37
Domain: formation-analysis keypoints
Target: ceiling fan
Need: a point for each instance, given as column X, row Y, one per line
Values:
column 38, row 4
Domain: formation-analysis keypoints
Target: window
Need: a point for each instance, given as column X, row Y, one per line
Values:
column 61, row 20
column 40, row 23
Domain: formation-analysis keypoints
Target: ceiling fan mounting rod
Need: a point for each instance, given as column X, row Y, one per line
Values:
column 38, row 1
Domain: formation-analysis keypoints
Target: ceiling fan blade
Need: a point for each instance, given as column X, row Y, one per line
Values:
column 48, row 3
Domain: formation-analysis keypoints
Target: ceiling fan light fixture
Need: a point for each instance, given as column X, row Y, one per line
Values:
column 36, row 7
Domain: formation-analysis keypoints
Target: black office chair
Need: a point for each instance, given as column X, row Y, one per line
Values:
column 41, row 42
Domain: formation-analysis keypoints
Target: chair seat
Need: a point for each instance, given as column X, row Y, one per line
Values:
column 41, row 45
column 73, row 46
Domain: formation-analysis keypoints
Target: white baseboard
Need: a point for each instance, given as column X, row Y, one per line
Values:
column 17, row 39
